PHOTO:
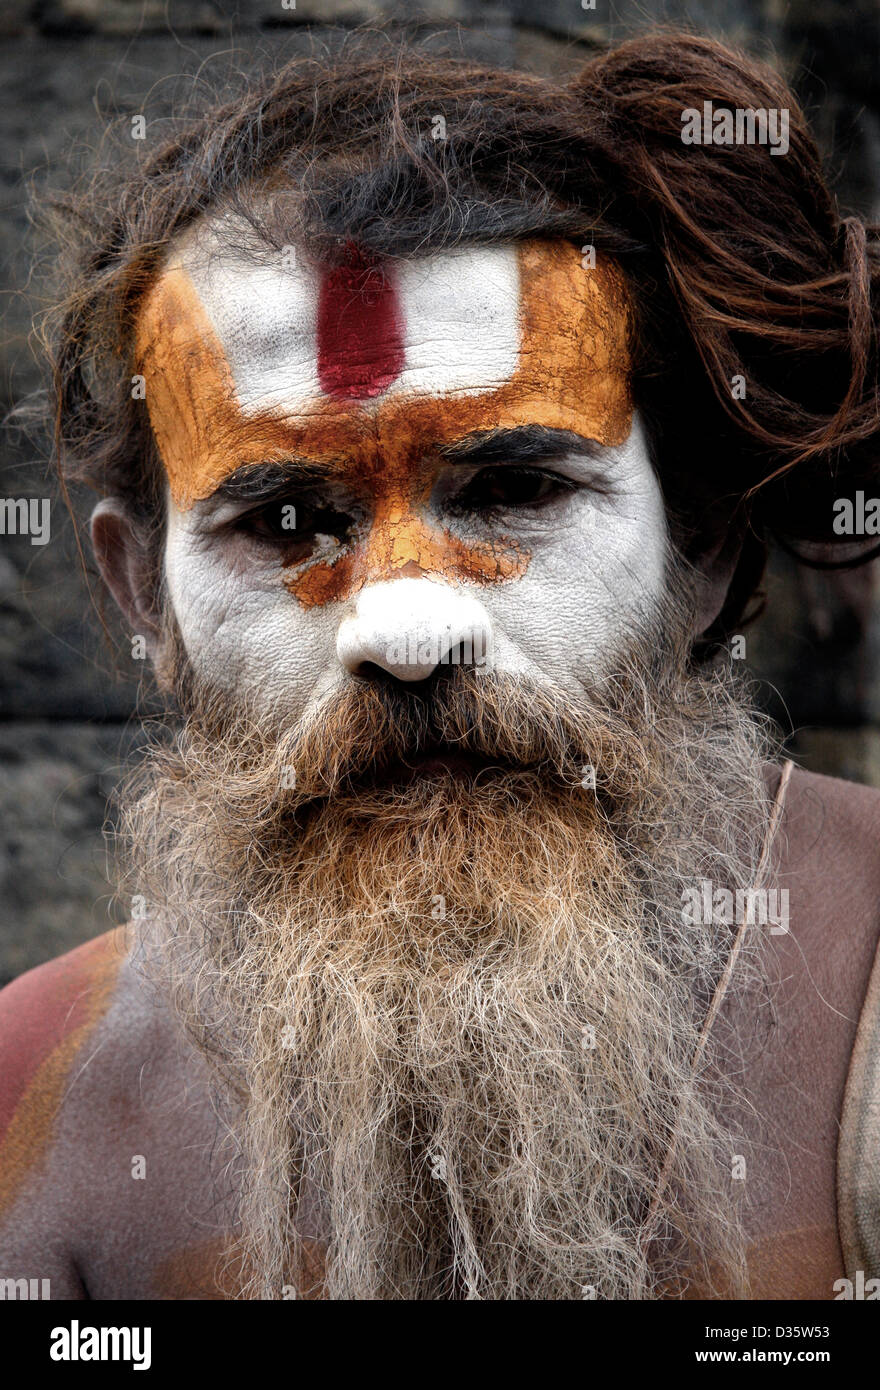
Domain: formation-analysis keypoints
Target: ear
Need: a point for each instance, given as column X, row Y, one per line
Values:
column 716, row 567
column 120, row 544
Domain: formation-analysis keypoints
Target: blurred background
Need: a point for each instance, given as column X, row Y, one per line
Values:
column 69, row 704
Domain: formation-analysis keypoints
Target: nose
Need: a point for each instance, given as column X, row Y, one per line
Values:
column 409, row 627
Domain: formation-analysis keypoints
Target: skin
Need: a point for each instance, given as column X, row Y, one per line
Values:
column 93, row 1074
column 80, row 1219
column 555, row 616
column 406, row 536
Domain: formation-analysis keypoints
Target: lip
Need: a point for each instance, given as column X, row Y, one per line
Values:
column 433, row 762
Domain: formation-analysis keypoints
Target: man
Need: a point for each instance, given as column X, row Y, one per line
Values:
column 481, row 944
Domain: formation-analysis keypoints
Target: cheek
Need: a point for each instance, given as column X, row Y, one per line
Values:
column 585, row 586
column 241, row 631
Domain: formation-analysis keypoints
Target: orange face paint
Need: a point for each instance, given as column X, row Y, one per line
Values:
column 361, row 404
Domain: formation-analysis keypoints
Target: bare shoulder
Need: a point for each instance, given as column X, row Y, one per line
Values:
column 46, row 1017
column 106, row 1130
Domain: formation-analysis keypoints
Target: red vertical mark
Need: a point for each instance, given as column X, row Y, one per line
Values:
column 360, row 329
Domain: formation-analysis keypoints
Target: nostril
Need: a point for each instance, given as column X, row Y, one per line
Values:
column 464, row 653
column 388, row 682
column 370, row 671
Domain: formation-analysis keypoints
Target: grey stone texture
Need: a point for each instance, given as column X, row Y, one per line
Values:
column 69, row 693
column 54, row 885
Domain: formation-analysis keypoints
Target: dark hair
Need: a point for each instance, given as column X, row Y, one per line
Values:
column 737, row 260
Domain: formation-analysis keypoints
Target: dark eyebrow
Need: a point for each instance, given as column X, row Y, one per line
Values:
column 522, row 444
column 263, row 482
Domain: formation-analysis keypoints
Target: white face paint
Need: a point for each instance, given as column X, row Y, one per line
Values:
column 273, row 354
column 584, row 524
column 597, row 562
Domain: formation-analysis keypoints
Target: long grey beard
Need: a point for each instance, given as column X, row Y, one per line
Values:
column 453, row 1022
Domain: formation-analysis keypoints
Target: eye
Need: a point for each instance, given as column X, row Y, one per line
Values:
column 295, row 520
column 511, row 487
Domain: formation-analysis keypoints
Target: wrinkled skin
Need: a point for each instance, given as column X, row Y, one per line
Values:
column 399, row 555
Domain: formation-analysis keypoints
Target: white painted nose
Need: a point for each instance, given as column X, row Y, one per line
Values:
column 409, row 627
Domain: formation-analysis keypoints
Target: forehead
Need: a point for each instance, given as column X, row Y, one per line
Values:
column 252, row 355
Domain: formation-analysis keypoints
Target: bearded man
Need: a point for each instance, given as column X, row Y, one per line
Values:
column 482, row 944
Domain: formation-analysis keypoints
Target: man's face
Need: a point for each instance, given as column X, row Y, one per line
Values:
column 369, row 467
column 406, row 976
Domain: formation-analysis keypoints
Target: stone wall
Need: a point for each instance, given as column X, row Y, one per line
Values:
column 68, row 718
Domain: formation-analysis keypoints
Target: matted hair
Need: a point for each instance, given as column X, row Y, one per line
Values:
column 738, row 262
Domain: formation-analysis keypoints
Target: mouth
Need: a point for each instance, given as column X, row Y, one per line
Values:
column 437, row 761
